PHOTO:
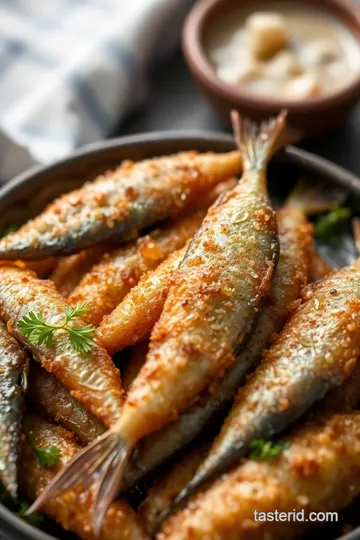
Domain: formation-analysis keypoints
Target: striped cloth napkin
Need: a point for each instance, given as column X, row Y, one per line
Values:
column 71, row 69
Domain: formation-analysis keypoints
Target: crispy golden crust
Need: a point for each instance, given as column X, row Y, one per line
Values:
column 72, row 511
column 133, row 319
column 91, row 377
column 212, row 303
column 119, row 204
column 52, row 400
column 163, row 493
column 319, row 472
column 69, row 270
column 13, row 365
column 108, row 282
column 316, row 350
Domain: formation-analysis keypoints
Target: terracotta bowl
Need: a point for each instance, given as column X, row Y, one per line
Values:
column 28, row 193
column 306, row 117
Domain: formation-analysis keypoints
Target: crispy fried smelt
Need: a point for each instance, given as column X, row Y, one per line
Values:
column 134, row 363
column 162, row 494
column 295, row 237
column 316, row 351
column 91, row 377
column 72, row 511
column 212, row 305
column 134, row 318
column 53, row 401
column 319, row 472
column 319, row 268
column 13, row 366
column 69, row 270
column 119, row 204
column 108, row 282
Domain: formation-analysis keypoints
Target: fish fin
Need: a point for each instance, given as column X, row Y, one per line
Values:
column 85, row 468
column 315, row 197
column 109, row 483
column 256, row 142
column 356, row 232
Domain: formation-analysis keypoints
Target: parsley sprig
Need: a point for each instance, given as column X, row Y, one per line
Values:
column 34, row 327
column 48, row 456
column 327, row 225
column 260, row 449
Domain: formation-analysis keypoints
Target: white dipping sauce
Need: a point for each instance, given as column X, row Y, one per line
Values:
column 284, row 50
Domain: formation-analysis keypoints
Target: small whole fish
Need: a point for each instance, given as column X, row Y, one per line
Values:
column 161, row 495
column 109, row 281
column 133, row 319
column 295, row 236
column 316, row 351
column 319, row 471
column 13, row 367
column 91, row 377
column 119, row 204
column 71, row 269
column 211, row 307
column 53, row 401
column 71, row 511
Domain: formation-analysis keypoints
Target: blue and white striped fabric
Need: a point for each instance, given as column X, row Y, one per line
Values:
column 71, row 69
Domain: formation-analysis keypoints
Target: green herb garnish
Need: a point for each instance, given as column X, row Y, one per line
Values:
column 35, row 519
column 327, row 225
column 38, row 331
column 48, row 456
column 261, row 449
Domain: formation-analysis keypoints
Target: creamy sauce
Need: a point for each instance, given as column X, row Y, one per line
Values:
column 291, row 52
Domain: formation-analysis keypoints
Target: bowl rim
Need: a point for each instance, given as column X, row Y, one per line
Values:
column 201, row 66
column 10, row 523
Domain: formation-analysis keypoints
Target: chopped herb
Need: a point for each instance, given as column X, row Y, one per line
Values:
column 327, row 225
column 38, row 331
column 261, row 449
column 48, row 456
column 35, row 519
column 8, row 229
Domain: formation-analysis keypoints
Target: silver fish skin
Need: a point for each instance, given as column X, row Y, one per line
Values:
column 316, row 351
column 13, row 368
column 295, row 236
column 91, row 377
column 212, row 306
column 119, row 204
column 53, row 401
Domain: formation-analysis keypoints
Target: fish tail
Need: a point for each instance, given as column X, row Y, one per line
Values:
column 257, row 142
column 102, row 462
column 356, row 233
column 314, row 197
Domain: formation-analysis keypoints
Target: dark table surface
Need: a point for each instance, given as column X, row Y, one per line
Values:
column 176, row 103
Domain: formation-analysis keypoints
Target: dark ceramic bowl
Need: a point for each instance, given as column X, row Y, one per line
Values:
column 28, row 193
column 306, row 117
